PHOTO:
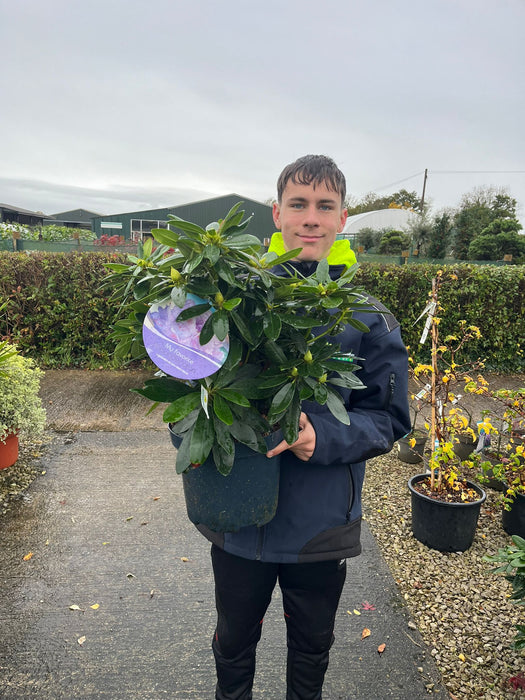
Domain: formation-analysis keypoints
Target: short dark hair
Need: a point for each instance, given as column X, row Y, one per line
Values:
column 313, row 170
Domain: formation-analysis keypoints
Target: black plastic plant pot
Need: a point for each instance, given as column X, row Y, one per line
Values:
column 447, row 527
column 247, row 496
column 464, row 446
column 513, row 520
column 408, row 454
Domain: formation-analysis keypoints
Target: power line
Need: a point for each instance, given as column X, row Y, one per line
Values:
column 392, row 184
column 471, row 172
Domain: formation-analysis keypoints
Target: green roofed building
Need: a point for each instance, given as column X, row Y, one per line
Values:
column 135, row 225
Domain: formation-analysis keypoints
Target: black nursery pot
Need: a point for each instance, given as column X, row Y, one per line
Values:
column 447, row 527
column 247, row 496
column 513, row 520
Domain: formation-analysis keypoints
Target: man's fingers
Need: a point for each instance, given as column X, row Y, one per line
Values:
column 281, row 447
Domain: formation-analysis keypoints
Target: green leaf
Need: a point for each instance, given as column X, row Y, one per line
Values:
column 212, row 252
column 231, row 304
column 359, row 325
column 244, row 330
column 225, row 272
column 202, row 287
column 281, row 401
column 164, row 389
column 192, row 263
column 202, row 439
column 220, row 323
column 206, row 333
column 335, row 405
column 272, row 326
column 233, row 214
column 243, row 241
column 234, row 397
column 299, row 321
column 273, row 259
column 234, row 354
column 196, row 232
column 169, row 238
column 193, row 311
column 322, row 274
column 180, row 408
column 331, row 302
column 320, row 393
column 224, row 437
column 183, row 461
column 223, row 461
column 222, row 410
column 290, row 421
column 274, row 353
column 178, row 296
column 245, row 434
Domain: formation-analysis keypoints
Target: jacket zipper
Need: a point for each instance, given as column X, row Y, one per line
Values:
column 259, row 545
column 392, row 386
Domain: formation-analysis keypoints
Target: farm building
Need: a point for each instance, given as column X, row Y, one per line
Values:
column 134, row 225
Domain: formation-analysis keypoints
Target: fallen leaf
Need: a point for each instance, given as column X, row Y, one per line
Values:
column 184, row 559
column 95, row 606
column 75, row 607
column 130, row 575
column 81, row 640
column 348, row 611
column 156, row 498
column 356, row 612
column 365, row 633
column 28, row 556
column 461, row 657
column 130, row 518
column 381, row 648
column 367, row 606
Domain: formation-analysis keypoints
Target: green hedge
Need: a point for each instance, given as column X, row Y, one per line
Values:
column 492, row 298
column 58, row 315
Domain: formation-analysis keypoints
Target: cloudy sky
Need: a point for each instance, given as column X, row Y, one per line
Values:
column 121, row 105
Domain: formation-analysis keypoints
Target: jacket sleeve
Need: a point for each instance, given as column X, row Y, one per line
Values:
column 379, row 414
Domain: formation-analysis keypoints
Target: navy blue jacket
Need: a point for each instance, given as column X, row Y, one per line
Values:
column 319, row 509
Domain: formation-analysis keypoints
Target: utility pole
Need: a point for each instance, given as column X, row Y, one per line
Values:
column 424, row 188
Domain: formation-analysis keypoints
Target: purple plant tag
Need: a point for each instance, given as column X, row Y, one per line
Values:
column 175, row 347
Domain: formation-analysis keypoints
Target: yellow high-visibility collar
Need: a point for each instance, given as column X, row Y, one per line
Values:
column 340, row 253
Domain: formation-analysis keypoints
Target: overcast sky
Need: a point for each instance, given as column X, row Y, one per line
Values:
column 122, row 105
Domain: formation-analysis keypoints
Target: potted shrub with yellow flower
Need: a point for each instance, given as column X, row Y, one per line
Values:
column 503, row 453
column 445, row 505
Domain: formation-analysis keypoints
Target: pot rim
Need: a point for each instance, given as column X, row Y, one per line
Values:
column 476, row 487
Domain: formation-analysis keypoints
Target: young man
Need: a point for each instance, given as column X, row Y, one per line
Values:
column 318, row 520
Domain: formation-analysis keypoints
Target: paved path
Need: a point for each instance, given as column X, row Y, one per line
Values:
column 107, row 529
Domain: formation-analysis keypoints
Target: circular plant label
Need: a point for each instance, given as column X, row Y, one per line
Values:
column 174, row 346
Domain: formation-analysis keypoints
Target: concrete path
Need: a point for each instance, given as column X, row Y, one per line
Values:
column 107, row 589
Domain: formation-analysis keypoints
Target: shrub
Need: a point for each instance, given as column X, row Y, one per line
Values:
column 56, row 312
column 58, row 315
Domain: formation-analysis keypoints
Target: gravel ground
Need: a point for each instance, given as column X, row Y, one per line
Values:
column 15, row 480
column 460, row 608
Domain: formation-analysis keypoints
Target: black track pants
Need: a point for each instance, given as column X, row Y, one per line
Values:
column 243, row 590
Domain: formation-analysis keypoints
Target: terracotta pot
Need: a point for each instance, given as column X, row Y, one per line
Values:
column 8, row 451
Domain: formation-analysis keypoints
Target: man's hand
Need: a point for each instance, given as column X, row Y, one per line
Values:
column 303, row 448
